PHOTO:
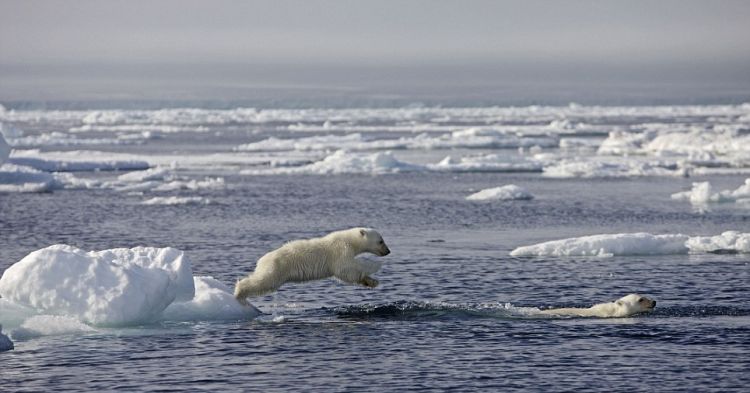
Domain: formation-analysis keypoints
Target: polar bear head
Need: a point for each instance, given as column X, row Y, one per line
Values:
column 371, row 241
column 634, row 304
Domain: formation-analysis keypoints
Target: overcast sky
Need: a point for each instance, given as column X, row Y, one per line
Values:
column 695, row 39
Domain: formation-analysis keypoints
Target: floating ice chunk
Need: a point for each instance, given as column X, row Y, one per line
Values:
column 729, row 241
column 49, row 325
column 346, row 162
column 324, row 142
column 509, row 192
column 487, row 163
column 17, row 178
column 702, row 193
column 719, row 142
column 158, row 173
column 213, row 301
column 5, row 343
column 176, row 200
column 206, row 183
column 111, row 287
column 624, row 143
column 72, row 161
column 599, row 168
column 608, row 245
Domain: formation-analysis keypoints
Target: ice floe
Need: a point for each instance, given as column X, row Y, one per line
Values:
column 702, row 193
column 176, row 200
column 74, row 161
column 113, row 287
column 487, row 163
column 343, row 161
column 17, row 178
column 597, row 167
column 638, row 244
column 508, row 192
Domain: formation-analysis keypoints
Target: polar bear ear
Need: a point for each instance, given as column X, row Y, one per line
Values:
column 362, row 232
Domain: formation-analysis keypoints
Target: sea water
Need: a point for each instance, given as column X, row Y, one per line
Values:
column 454, row 310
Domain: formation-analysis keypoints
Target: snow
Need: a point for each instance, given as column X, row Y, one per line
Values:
column 595, row 168
column 729, row 241
column 213, row 301
column 343, row 161
column 176, row 200
column 16, row 178
column 508, row 192
column 638, row 244
column 49, row 325
column 608, row 245
column 75, row 161
column 486, row 163
column 110, row 287
column 62, row 289
column 702, row 193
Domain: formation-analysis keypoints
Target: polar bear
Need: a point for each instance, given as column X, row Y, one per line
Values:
column 304, row 260
column 623, row 307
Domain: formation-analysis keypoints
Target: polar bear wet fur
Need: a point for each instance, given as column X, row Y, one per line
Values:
column 623, row 307
column 333, row 255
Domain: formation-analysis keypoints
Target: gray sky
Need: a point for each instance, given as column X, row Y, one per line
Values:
column 44, row 44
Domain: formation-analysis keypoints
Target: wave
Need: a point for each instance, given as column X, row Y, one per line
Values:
column 414, row 310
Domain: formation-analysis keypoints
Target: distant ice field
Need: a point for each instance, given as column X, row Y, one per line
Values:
column 572, row 206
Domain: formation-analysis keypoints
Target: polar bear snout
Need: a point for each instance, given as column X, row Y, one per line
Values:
column 647, row 303
column 385, row 251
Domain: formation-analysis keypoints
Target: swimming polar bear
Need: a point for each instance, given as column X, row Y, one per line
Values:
column 304, row 260
column 623, row 307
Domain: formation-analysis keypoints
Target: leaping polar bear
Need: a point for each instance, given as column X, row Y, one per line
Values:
column 304, row 260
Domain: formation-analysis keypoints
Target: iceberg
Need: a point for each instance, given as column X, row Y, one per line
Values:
column 112, row 287
column 62, row 289
column 509, row 192
column 638, row 244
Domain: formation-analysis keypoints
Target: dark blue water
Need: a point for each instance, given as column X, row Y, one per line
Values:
column 448, row 312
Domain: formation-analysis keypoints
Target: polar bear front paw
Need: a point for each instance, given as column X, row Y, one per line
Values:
column 369, row 282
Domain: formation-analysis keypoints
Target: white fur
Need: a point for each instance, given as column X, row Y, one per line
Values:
column 623, row 307
column 304, row 260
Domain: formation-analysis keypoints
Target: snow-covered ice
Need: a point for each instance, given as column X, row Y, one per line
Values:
column 702, row 193
column 176, row 200
column 343, row 161
column 507, row 192
column 213, row 300
column 115, row 287
column 638, row 244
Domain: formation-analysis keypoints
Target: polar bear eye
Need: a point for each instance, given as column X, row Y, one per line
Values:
column 381, row 242
column 641, row 300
